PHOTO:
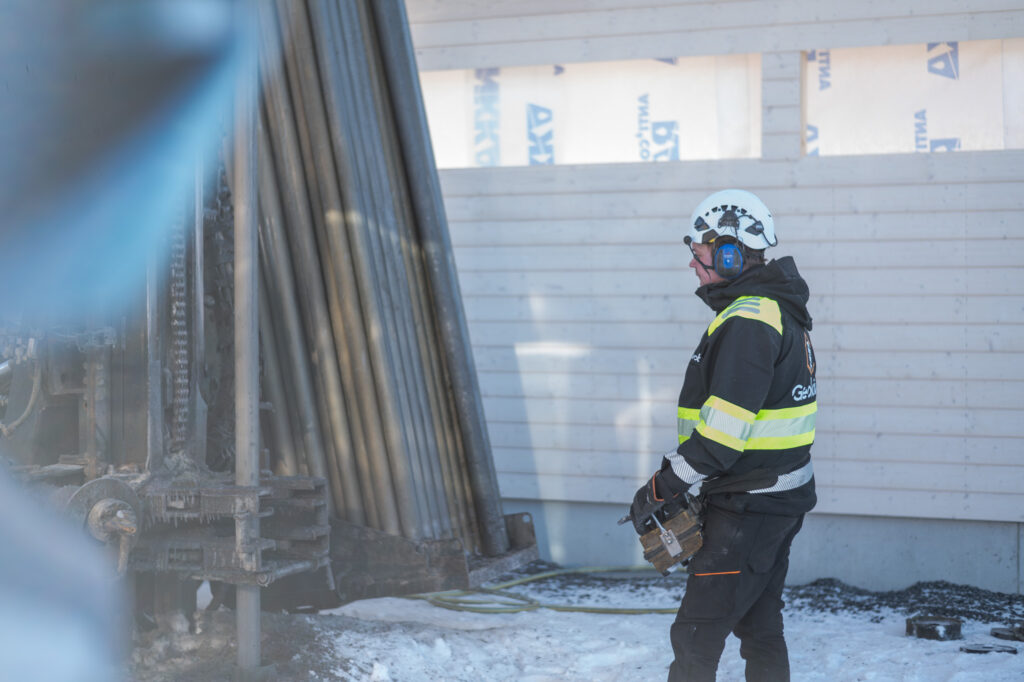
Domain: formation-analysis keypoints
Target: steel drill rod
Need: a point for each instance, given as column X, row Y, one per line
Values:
column 338, row 458
column 376, row 296
column 349, row 338
column 382, row 193
column 338, row 95
column 330, row 438
column 285, row 129
column 247, row 387
column 198, row 408
column 293, row 340
column 382, row 187
column 154, row 371
column 288, row 339
column 428, row 205
column 350, row 342
column 442, row 414
column 403, row 80
column 438, row 402
column 296, row 370
column 404, row 252
column 275, row 365
column 283, row 452
column 381, row 190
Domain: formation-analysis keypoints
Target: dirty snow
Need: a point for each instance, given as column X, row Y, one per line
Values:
column 834, row 633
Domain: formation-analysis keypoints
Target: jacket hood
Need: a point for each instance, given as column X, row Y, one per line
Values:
column 778, row 280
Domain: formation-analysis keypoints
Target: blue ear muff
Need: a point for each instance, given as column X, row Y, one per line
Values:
column 728, row 260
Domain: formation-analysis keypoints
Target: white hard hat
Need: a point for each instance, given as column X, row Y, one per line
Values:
column 732, row 213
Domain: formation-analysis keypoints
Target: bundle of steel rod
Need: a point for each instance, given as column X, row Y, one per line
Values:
column 366, row 354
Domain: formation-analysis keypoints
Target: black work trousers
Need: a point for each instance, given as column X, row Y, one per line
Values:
column 735, row 585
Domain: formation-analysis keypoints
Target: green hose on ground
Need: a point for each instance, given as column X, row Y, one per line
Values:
column 500, row 600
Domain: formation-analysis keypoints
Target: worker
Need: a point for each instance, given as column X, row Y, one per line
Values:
column 746, row 424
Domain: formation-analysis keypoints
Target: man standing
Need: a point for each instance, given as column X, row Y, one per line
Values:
column 746, row 425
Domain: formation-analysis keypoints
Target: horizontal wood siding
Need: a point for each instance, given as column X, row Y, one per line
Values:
column 579, row 298
column 454, row 34
column 578, row 295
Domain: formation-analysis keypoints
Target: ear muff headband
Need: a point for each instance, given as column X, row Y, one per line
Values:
column 727, row 260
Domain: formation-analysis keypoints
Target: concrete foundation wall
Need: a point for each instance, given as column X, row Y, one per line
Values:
column 875, row 553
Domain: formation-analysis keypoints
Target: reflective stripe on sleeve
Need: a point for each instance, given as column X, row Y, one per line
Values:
column 739, row 429
column 682, row 469
column 687, row 420
column 725, row 423
column 782, row 429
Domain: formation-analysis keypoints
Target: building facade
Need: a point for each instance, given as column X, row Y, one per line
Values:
column 580, row 304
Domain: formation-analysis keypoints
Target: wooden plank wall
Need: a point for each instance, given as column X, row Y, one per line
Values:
column 579, row 299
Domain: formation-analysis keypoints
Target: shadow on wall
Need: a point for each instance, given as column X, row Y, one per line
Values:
column 563, row 443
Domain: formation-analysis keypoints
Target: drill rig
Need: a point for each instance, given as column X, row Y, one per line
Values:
column 375, row 473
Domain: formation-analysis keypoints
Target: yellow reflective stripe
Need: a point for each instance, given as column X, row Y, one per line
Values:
column 720, row 437
column 739, row 429
column 687, row 421
column 725, row 423
column 691, row 413
column 780, row 443
column 720, row 405
column 790, row 427
column 789, row 412
column 752, row 307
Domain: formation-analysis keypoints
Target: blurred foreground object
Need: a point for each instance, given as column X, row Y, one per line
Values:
column 59, row 606
column 302, row 326
column 107, row 106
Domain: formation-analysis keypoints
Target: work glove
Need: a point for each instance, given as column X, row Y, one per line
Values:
column 654, row 497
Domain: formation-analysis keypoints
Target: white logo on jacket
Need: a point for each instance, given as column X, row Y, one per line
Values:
column 801, row 392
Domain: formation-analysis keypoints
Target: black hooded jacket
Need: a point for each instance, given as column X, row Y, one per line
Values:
column 748, row 403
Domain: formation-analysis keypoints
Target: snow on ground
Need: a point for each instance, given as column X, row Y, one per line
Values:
column 394, row 639
column 834, row 633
